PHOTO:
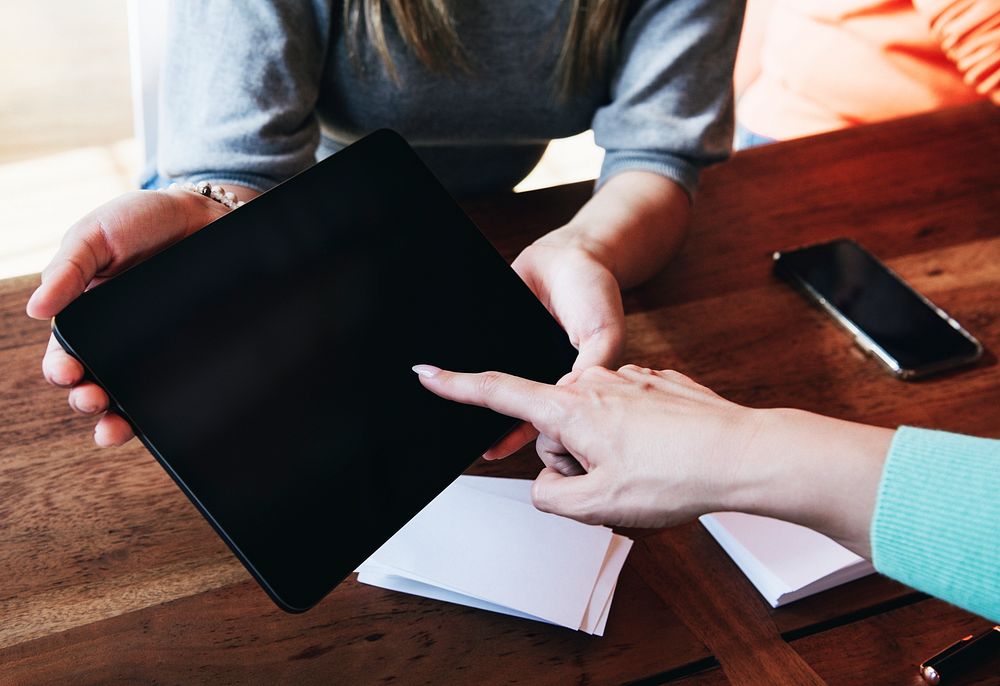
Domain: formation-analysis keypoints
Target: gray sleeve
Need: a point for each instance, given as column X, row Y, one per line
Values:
column 239, row 90
column 671, row 108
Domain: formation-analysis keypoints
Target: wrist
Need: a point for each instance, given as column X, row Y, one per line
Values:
column 576, row 236
column 633, row 225
column 192, row 207
column 812, row 470
column 200, row 204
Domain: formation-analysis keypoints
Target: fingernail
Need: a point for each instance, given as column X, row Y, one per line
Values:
column 101, row 439
column 426, row 370
column 87, row 408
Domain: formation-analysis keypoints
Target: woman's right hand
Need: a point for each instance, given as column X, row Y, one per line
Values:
column 105, row 242
column 647, row 448
column 634, row 447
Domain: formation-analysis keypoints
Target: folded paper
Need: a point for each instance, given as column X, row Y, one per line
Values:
column 481, row 543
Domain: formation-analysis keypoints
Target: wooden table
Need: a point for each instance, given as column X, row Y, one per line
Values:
column 109, row 575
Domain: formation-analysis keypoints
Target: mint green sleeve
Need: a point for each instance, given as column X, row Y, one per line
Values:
column 937, row 517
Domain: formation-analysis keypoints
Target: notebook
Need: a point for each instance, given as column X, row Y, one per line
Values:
column 786, row 562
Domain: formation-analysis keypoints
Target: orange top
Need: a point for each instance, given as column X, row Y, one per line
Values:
column 827, row 64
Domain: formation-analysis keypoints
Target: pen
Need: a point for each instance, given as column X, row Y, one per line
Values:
column 961, row 655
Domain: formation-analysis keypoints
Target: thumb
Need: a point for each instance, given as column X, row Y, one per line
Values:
column 114, row 236
column 603, row 346
column 569, row 496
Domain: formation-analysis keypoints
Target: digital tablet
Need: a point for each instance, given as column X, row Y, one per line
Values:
column 265, row 360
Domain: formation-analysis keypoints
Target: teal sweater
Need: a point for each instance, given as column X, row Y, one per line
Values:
column 937, row 518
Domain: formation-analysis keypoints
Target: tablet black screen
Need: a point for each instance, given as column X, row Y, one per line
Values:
column 265, row 360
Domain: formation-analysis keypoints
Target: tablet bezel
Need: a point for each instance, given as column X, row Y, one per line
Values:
column 384, row 138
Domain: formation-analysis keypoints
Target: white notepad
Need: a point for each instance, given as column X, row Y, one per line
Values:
column 786, row 562
column 482, row 543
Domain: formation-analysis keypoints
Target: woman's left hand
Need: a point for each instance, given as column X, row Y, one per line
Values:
column 623, row 235
column 581, row 293
column 584, row 297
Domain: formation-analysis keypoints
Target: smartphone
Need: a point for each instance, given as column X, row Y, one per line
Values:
column 906, row 332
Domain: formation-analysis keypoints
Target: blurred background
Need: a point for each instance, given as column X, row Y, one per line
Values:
column 78, row 85
column 67, row 141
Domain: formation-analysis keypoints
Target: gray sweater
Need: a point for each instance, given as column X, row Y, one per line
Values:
column 256, row 91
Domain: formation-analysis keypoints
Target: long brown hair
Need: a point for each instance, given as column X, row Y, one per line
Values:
column 428, row 30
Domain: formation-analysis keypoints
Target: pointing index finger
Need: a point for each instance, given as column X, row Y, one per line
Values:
column 513, row 396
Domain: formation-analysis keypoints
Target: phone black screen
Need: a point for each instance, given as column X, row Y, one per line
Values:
column 859, row 287
column 265, row 360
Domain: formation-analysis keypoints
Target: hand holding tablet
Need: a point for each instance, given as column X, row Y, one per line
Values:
column 265, row 360
column 106, row 242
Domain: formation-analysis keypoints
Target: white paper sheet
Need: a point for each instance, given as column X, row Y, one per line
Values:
column 528, row 564
column 404, row 585
column 594, row 621
column 596, row 616
column 514, row 489
column 786, row 562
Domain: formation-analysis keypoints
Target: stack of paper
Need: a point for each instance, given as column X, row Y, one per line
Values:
column 482, row 543
column 786, row 562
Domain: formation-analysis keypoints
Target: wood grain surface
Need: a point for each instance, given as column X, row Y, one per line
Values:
column 111, row 576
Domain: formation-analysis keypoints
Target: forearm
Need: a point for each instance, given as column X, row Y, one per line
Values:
column 633, row 225
column 817, row 471
column 922, row 505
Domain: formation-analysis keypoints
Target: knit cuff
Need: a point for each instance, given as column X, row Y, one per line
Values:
column 672, row 167
column 937, row 517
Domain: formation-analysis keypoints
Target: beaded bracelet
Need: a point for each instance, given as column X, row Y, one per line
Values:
column 210, row 190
